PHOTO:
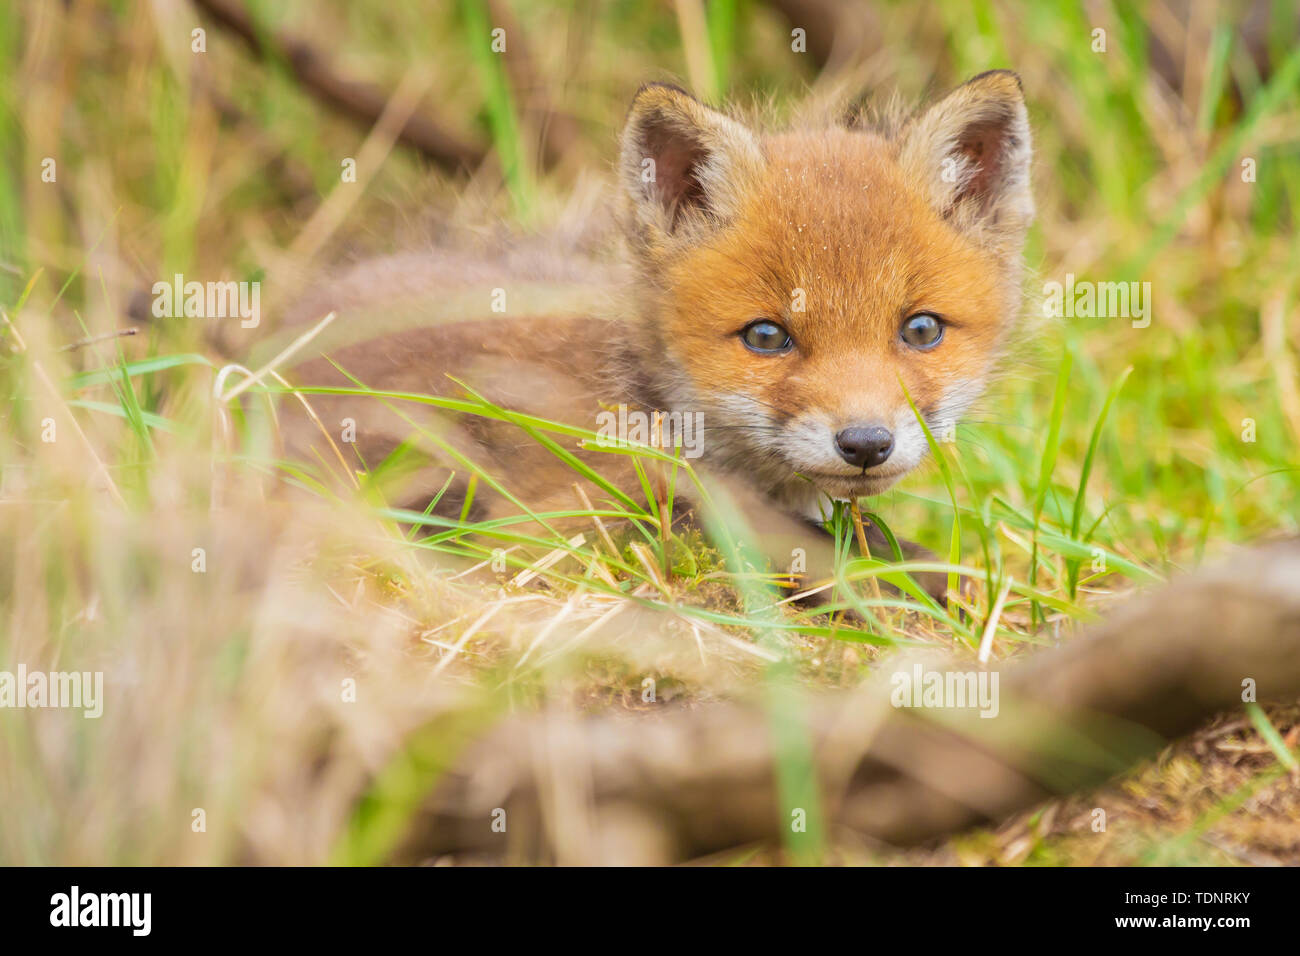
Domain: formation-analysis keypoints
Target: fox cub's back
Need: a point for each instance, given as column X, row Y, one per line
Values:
column 799, row 292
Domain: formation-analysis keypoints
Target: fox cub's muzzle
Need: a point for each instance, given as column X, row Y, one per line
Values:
column 865, row 446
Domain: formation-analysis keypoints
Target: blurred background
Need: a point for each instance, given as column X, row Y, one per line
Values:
column 212, row 138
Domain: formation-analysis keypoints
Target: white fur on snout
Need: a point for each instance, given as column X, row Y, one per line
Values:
column 909, row 439
column 809, row 443
column 747, row 438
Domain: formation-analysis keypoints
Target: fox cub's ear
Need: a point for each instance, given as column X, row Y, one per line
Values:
column 683, row 166
column 971, row 151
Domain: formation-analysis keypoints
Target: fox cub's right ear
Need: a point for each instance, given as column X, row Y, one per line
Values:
column 683, row 166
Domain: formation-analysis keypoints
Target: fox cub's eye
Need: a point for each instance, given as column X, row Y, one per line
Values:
column 765, row 336
column 922, row 331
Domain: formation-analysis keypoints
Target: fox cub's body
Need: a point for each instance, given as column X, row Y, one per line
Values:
column 787, row 291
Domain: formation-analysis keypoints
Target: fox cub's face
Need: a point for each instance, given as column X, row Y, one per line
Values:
column 800, row 286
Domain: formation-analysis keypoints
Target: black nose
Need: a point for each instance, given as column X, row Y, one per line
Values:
column 865, row 447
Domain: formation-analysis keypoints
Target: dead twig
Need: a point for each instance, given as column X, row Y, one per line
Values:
column 91, row 340
column 362, row 102
column 1068, row 719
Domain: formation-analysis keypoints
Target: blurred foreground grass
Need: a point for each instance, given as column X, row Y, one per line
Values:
column 1106, row 456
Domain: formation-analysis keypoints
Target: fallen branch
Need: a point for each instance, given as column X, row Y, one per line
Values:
column 690, row 783
column 557, row 132
column 362, row 102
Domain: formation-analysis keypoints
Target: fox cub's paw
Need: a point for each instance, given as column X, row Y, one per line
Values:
column 933, row 583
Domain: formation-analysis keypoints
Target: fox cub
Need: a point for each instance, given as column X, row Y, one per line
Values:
column 782, row 290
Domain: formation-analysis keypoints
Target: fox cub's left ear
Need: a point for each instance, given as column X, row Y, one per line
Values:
column 683, row 166
column 971, row 151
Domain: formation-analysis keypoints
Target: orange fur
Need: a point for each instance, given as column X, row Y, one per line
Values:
column 837, row 235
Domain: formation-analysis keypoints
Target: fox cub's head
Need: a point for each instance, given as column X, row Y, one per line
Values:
column 795, row 283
